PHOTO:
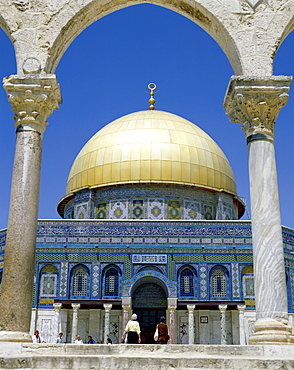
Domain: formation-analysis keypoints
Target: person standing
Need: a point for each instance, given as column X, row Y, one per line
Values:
column 36, row 337
column 59, row 339
column 91, row 340
column 132, row 330
column 163, row 336
column 78, row 340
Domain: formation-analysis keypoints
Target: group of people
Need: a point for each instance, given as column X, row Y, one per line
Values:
column 132, row 332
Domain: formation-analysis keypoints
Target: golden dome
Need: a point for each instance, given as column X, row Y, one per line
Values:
column 151, row 147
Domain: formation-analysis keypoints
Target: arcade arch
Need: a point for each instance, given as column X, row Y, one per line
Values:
column 35, row 44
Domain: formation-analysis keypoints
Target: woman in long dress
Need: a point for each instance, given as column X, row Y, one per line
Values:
column 132, row 330
column 163, row 336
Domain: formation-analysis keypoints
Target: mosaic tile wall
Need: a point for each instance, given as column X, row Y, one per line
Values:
column 151, row 248
column 156, row 202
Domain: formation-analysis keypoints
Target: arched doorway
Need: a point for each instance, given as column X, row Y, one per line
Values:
column 149, row 303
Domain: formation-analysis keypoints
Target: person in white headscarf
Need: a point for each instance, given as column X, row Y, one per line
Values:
column 132, row 331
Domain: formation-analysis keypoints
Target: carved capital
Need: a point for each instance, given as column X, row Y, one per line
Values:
column 222, row 307
column 191, row 307
column 107, row 306
column 57, row 307
column 33, row 100
column 241, row 308
column 75, row 306
column 126, row 307
column 172, row 308
column 255, row 104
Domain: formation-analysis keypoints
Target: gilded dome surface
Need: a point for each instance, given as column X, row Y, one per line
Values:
column 151, row 147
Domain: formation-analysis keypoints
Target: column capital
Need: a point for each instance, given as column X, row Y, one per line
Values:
column 241, row 307
column 172, row 307
column 75, row 306
column 107, row 306
column 126, row 307
column 191, row 307
column 33, row 100
column 255, row 104
column 57, row 306
column 222, row 307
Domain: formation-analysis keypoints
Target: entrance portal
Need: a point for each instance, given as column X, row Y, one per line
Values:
column 149, row 303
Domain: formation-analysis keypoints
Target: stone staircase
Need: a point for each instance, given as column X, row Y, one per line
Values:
column 147, row 357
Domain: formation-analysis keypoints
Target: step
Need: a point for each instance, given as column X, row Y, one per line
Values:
column 147, row 357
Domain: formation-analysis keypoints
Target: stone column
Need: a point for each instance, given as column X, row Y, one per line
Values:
column 107, row 308
column 126, row 311
column 56, row 322
column 223, row 325
column 255, row 103
column 191, row 308
column 32, row 100
column 74, row 329
column 241, row 308
column 172, row 305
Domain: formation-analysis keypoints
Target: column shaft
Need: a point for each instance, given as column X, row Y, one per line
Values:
column 241, row 309
column 270, row 283
column 107, row 308
column 223, row 324
column 56, row 322
column 19, row 261
column 32, row 100
column 74, row 330
column 191, row 322
column 255, row 103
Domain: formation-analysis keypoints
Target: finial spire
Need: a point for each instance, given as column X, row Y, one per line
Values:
column 151, row 87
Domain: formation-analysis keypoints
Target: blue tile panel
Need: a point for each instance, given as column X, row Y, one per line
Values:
column 158, row 249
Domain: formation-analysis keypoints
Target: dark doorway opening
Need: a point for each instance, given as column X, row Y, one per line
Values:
column 149, row 303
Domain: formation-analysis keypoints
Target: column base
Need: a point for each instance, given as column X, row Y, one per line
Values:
column 271, row 331
column 14, row 336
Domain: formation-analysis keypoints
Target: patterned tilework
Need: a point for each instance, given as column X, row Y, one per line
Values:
column 192, row 210
column 155, row 210
column 95, row 279
column 292, row 288
column 82, row 211
column 203, row 276
column 63, row 279
column 235, row 280
column 170, row 264
column 118, row 209
column 137, row 211
column 101, row 211
column 208, row 212
column 173, row 209
column 248, row 286
column 227, row 213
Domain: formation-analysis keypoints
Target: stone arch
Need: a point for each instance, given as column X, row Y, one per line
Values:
column 155, row 287
column 5, row 27
column 71, row 24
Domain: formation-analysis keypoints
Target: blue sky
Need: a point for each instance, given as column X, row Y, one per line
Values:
column 104, row 75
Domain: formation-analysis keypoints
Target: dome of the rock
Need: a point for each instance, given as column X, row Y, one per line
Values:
column 149, row 148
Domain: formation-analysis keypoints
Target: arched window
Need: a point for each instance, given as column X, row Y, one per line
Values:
column 48, row 281
column 111, row 285
column 80, row 282
column 186, row 283
column 219, row 283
